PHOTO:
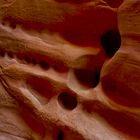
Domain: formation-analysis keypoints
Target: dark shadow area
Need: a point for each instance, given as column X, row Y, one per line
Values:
column 10, row 54
column 87, row 78
column 13, row 25
column 67, row 100
column 27, row 59
column 34, row 61
column 44, row 64
column 2, row 53
column 111, row 42
column 60, row 135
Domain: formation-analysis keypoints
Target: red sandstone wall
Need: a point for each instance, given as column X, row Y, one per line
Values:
column 69, row 70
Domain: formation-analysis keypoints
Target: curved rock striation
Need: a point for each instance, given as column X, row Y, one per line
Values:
column 69, row 70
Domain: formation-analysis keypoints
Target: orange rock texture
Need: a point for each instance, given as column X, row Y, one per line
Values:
column 69, row 70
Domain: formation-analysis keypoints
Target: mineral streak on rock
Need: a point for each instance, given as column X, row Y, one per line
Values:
column 69, row 70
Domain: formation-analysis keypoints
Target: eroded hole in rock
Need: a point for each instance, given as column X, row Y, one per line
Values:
column 10, row 54
column 111, row 42
column 34, row 61
column 67, row 100
column 87, row 78
column 3, row 23
column 2, row 53
column 27, row 59
column 44, row 64
column 60, row 135
column 60, row 68
column 13, row 25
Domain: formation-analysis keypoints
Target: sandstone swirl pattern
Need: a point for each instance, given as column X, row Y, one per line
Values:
column 69, row 70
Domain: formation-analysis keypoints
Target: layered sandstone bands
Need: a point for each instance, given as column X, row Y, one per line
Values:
column 53, row 85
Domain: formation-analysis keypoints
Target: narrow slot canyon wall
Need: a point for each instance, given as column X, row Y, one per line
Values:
column 69, row 70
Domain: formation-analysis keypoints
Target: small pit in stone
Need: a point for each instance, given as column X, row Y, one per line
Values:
column 13, row 25
column 44, row 64
column 67, row 100
column 87, row 78
column 111, row 42
column 60, row 135
column 2, row 53
column 34, row 62
column 27, row 59
column 10, row 54
column 3, row 23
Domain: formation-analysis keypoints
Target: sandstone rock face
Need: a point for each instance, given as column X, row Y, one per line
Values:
column 69, row 70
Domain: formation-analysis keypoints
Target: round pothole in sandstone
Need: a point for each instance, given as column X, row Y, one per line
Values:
column 67, row 101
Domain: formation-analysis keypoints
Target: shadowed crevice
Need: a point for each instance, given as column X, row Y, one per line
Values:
column 111, row 42
column 87, row 78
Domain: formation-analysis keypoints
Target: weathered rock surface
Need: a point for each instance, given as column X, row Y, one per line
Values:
column 69, row 70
